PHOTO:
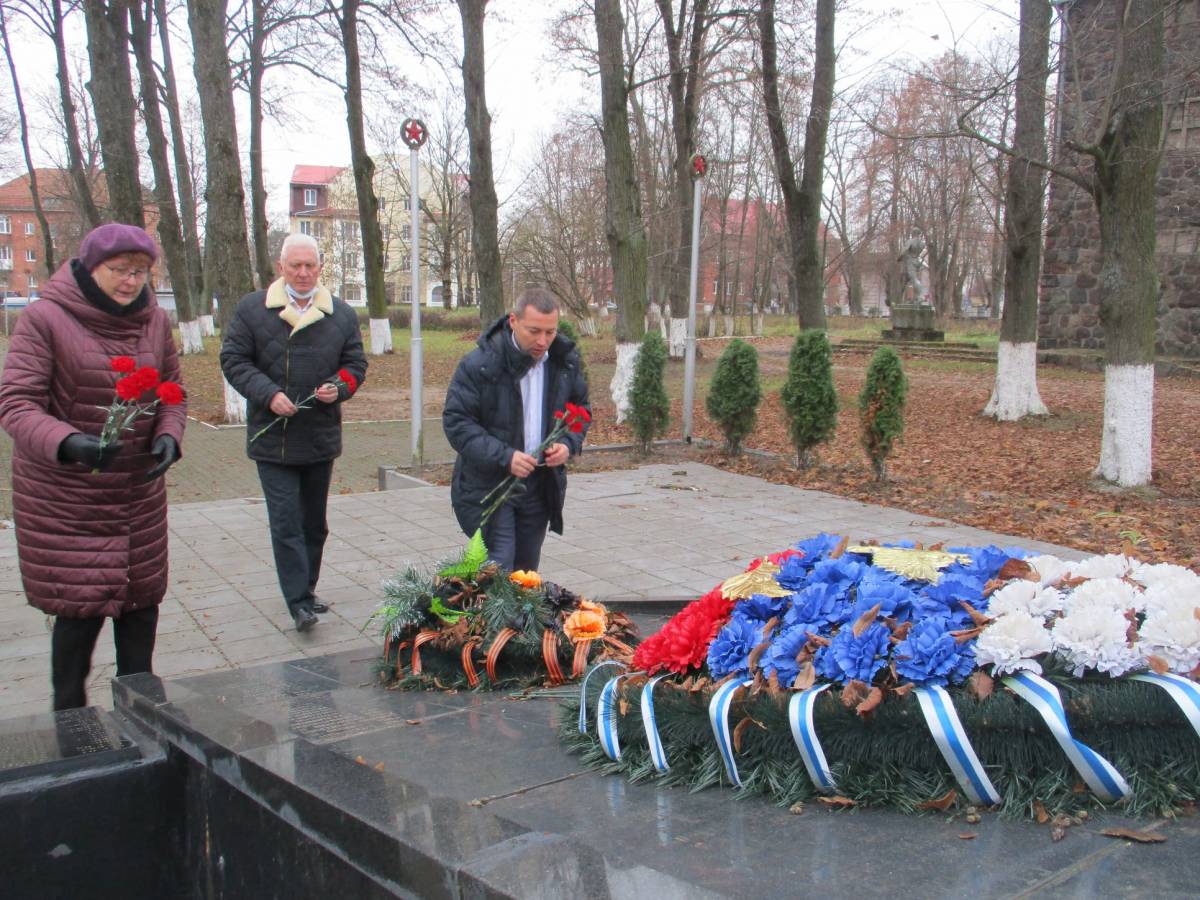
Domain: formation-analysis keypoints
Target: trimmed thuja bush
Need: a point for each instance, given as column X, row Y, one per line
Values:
column 649, row 408
column 568, row 330
column 881, row 406
column 734, row 394
column 809, row 398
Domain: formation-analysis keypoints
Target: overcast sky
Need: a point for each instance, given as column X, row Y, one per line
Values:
column 529, row 94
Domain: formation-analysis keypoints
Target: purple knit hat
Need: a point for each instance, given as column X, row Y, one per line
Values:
column 106, row 241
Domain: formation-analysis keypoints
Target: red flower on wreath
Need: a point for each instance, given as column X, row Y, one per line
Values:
column 681, row 645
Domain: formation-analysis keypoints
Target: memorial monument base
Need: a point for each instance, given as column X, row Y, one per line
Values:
column 913, row 322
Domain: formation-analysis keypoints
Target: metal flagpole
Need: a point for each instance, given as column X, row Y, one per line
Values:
column 414, row 133
column 699, row 169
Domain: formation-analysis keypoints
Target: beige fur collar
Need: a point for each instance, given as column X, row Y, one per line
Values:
column 321, row 306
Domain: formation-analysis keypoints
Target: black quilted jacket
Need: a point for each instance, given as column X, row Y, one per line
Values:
column 484, row 420
column 261, row 356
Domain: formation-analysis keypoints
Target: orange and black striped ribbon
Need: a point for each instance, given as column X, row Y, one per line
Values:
column 468, row 663
column 502, row 638
column 550, row 655
column 423, row 637
column 579, row 666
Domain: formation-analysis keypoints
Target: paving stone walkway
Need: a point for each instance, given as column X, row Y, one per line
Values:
column 660, row 532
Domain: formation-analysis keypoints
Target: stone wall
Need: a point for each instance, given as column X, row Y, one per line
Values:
column 1070, row 302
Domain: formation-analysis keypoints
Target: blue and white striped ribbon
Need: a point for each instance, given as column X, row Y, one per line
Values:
column 952, row 740
column 606, row 718
column 657, row 753
column 800, row 715
column 583, row 692
column 1183, row 691
column 718, row 717
column 1104, row 780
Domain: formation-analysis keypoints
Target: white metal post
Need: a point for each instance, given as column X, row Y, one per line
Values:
column 413, row 133
column 689, row 357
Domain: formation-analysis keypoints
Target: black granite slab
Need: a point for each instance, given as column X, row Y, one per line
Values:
column 55, row 743
column 471, row 795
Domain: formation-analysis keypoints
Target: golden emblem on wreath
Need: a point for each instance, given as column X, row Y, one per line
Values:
column 756, row 581
column 920, row 565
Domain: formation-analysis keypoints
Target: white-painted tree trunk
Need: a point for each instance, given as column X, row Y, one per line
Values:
column 760, row 324
column 207, row 327
column 712, row 326
column 235, row 406
column 622, row 380
column 677, row 341
column 1125, row 446
column 190, row 338
column 588, row 327
column 728, row 326
column 1015, row 393
column 381, row 337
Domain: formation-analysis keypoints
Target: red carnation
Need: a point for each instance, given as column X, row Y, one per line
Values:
column 682, row 643
column 123, row 364
column 347, row 379
column 146, row 378
column 170, row 393
column 128, row 388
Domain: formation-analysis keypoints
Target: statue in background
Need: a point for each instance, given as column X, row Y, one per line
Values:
column 913, row 291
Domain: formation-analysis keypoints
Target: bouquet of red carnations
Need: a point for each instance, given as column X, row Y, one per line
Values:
column 128, row 405
column 343, row 377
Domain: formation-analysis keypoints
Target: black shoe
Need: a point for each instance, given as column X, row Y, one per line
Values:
column 304, row 618
column 319, row 607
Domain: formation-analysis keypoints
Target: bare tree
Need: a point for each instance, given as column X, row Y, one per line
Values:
column 802, row 202
column 485, row 240
column 35, row 195
column 1015, row 394
column 112, row 100
column 169, row 234
column 623, row 223
column 225, row 231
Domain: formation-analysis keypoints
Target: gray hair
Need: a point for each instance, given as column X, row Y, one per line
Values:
column 537, row 297
column 298, row 240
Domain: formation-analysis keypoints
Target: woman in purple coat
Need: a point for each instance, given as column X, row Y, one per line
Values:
column 91, row 521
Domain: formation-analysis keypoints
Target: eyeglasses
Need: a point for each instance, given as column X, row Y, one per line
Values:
column 122, row 272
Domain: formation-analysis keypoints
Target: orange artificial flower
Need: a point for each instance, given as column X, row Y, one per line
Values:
column 528, row 580
column 588, row 623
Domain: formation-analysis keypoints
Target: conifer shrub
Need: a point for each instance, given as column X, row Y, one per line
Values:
column 734, row 394
column 568, row 330
column 649, row 408
column 809, row 399
column 881, row 408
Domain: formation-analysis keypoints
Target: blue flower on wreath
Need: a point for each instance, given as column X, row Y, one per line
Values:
column 986, row 561
column 842, row 573
column 780, row 657
column 931, row 655
column 859, row 658
column 761, row 607
column 729, row 651
column 817, row 604
column 894, row 599
column 794, row 571
column 943, row 598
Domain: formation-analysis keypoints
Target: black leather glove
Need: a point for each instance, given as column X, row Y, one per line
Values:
column 85, row 449
column 166, row 451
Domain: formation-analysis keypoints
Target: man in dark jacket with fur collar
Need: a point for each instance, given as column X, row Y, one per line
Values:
column 285, row 344
column 499, row 408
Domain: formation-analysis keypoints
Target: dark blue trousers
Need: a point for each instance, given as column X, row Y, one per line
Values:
column 297, row 497
column 516, row 531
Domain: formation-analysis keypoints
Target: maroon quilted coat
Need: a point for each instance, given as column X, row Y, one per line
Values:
column 89, row 544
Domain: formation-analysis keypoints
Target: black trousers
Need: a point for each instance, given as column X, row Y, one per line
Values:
column 73, row 641
column 516, row 531
column 297, row 497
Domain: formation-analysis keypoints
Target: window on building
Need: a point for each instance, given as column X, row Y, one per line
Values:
column 352, row 294
column 30, row 255
column 5, row 257
column 349, row 262
column 33, row 282
column 406, row 293
column 5, row 225
column 28, row 228
column 349, row 231
column 405, row 261
column 306, row 227
column 310, row 197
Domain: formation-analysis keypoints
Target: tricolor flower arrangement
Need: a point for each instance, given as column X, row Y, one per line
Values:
column 870, row 673
column 472, row 625
column 131, row 398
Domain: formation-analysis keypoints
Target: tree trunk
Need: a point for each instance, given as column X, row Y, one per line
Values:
column 112, row 100
column 263, row 263
column 1127, row 159
column 168, row 217
column 201, row 301
column 81, row 187
column 802, row 203
column 1015, row 394
column 624, row 227
column 485, row 241
column 225, row 231
column 364, row 177
column 34, row 193
column 684, row 89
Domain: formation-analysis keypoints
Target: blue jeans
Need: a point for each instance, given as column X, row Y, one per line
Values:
column 515, row 532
